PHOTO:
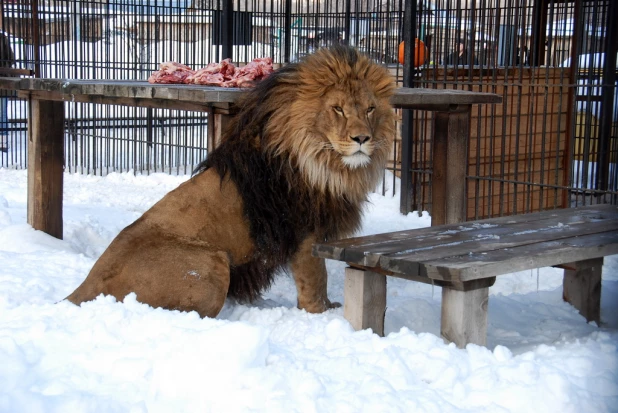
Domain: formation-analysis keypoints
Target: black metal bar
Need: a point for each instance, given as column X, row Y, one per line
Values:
column 36, row 37
column 348, row 14
column 287, row 30
column 538, row 32
column 607, row 97
column 227, row 29
column 409, row 24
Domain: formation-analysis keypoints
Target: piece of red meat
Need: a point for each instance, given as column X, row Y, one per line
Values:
column 223, row 74
column 171, row 72
column 214, row 74
column 253, row 71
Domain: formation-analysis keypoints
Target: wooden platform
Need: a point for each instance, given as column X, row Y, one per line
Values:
column 465, row 259
column 46, row 117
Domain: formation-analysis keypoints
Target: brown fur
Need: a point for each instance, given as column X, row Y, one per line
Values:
column 286, row 175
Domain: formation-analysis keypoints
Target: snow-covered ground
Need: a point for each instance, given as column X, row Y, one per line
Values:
column 271, row 357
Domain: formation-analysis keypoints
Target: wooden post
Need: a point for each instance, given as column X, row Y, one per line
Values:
column 581, row 287
column 450, row 155
column 45, row 166
column 364, row 303
column 210, row 129
column 464, row 312
column 220, row 123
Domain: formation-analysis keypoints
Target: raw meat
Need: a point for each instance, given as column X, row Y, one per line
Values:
column 223, row 74
column 171, row 72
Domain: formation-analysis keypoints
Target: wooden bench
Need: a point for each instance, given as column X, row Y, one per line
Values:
column 465, row 258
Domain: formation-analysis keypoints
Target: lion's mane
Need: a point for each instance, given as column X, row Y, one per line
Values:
column 290, row 185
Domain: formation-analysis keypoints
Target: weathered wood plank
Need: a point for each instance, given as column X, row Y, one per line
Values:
column 421, row 98
column 364, row 303
column 496, row 239
column 124, row 89
column 10, row 83
column 390, row 242
column 581, row 287
column 545, row 254
column 409, row 247
column 45, row 166
column 125, row 101
column 13, row 71
column 417, row 98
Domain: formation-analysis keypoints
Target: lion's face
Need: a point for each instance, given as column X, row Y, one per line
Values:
column 347, row 120
column 331, row 117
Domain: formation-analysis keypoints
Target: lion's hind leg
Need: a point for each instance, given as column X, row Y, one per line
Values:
column 191, row 279
column 172, row 275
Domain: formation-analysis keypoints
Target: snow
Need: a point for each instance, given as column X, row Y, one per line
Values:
column 106, row 356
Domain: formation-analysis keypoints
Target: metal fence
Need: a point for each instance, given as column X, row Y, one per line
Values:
column 552, row 143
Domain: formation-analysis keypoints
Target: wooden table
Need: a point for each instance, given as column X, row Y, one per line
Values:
column 465, row 258
column 46, row 99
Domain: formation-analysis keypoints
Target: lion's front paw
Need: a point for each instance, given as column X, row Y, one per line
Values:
column 319, row 307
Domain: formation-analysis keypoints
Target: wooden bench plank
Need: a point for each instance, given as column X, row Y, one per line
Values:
column 472, row 239
column 467, row 253
column 545, row 254
column 356, row 248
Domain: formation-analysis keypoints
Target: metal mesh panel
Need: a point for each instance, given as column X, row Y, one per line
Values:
column 537, row 150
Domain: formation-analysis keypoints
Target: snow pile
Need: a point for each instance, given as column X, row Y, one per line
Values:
column 271, row 357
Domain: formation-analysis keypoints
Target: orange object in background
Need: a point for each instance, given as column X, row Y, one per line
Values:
column 420, row 52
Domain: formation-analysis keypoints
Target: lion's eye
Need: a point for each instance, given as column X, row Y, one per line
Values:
column 370, row 110
column 338, row 109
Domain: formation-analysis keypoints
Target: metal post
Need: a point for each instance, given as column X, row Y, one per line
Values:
column 539, row 24
column 409, row 24
column 227, row 29
column 348, row 16
column 36, row 37
column 287, row 30
column 607, row 97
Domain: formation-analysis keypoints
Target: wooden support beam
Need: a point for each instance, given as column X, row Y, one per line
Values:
column 45, row 166
column 450, row 148
column 364, row 304
column 464, row 314
column 221, row 121
column 581, row 287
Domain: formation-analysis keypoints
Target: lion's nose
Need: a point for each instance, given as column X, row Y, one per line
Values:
column 360, row 139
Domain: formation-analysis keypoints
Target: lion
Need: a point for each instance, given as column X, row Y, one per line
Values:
column 294, row 167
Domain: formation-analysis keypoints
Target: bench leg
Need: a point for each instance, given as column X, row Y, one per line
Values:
column 464, row 313
column 581, row 287
column 364, row 302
